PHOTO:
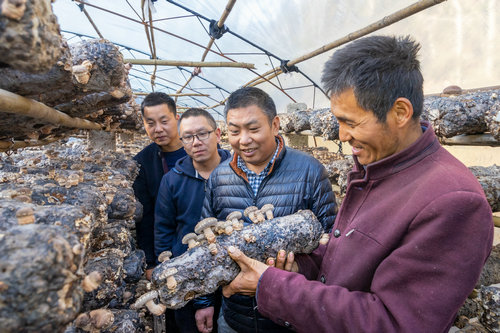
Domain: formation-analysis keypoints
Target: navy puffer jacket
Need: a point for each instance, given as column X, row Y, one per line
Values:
column 296, row 181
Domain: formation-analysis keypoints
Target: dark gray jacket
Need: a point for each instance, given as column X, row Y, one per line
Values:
column 296, row 181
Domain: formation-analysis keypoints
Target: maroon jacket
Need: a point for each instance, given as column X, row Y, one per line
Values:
column 407, row 247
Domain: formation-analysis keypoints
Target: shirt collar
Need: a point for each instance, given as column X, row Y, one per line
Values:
column 242, row 165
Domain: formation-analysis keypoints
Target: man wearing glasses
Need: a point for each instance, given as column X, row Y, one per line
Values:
column 179, row 202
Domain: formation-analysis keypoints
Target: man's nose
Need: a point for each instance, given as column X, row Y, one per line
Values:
column 158, row 127
column 344, row 134
column 245, row 138
column 196, row 140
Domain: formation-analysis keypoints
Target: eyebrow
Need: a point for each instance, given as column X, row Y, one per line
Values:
column 251, row 122
column 197, row 130
column 161, row 118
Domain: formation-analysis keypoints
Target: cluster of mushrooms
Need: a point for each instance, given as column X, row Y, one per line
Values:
column 204, row 231
column 205, row 234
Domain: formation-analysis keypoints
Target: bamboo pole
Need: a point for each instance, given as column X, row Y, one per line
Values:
column 220, row 23
column 471, row 140
column 188, row 63
column 496, row 220
column 12, row 103
column 384, row 22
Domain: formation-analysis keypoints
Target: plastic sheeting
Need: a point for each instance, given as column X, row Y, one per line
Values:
column 459, row 41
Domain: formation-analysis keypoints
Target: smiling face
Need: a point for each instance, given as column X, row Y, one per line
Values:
column 201, row 151
column 161, row 126
column 370, row 139
column 251, row 136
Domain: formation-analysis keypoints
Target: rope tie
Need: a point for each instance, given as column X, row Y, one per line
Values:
column 215, row 31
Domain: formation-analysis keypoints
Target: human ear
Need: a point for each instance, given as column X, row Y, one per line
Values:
column 275, row 125
column 217, row 134
column 402, row 110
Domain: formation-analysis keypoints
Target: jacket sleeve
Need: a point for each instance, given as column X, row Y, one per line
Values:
column 204, row 301
column 207, row 209
column 165, row 224
column 144, row 227
column 324, row 205
column 310, row 264
column 418, row 287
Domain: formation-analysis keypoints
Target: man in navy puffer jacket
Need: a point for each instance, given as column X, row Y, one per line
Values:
column 179, row 202
column 262, row 171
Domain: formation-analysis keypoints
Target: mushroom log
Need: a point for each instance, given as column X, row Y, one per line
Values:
column 201, row 270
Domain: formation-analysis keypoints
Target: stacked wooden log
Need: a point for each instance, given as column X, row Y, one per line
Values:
column 86, row 80
column 481, row 311
column 468, row 113
column 29, row 35
column 451, row 114
column 207, row 265
column 321, row 122
column 68, row 256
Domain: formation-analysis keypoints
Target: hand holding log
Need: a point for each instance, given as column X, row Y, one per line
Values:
column 199, row 272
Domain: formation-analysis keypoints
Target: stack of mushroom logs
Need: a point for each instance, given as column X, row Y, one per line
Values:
column 65, row 242
column 453, row 113
column 206, row 265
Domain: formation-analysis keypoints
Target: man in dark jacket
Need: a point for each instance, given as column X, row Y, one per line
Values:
column 262, row 171
column 179, row 202
column 160, row 122
column 414, row 229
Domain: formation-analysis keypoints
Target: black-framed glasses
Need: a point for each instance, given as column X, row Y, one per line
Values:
column 202, row 136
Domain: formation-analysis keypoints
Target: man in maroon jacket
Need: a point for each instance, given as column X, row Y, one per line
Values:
column 414, row 228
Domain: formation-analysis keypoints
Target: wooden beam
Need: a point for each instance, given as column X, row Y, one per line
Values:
column 471, row 140
column 496, row 219
column 158, row 62
column 12, row 103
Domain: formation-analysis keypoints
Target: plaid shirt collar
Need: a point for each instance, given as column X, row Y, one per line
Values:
column 256, row 179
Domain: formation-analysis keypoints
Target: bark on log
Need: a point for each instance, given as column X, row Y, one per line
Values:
column 89, row 78
column 490, row 319
column 462, row 114
column 40, row 291
column 489, row 178
column 493, row 120
column 63, row 83
column 29, row 35
column 122, row 321
column 324, row 124
column 200, row 273
column 109, row 263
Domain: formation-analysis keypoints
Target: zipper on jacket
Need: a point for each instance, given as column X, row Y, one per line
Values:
column 256, row 321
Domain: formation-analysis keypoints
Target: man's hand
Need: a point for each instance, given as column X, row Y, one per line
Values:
column 246, row 281
column 149, row 273
column 283, row 261
column 204, row 319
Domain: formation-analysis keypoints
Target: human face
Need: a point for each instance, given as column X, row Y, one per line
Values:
column 370, row 139
column 251, row 136
column 201, row 151
column 161, row 126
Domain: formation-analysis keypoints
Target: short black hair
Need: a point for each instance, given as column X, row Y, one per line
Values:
column 379, row 69
column 196, row 112
column 247, row 96
column 157, row 98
